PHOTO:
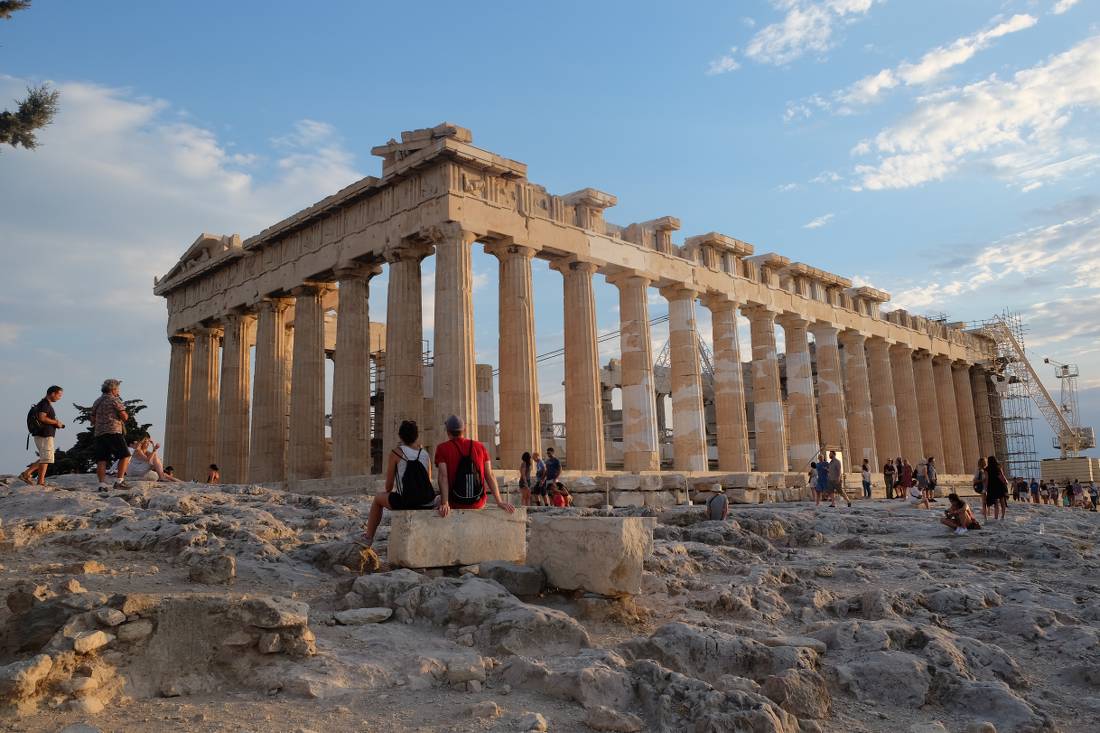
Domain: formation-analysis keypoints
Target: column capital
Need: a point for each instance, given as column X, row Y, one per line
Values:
column 212, row 329
column 407, row 250
column 273, row 302
column 357, row 270
column 715, row 300
column 623, row 277
column 851, row 336
column 961, row 365
column 900, row 346
column 788, row 319
column 449, row 231
column 311, row 287
column 500, row 250
column 941, row 359
column 181, row 337
column 823, row 327
column 755, row 311
column 679, row 291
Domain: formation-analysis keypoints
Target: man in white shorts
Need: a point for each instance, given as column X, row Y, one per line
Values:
column 43, row 428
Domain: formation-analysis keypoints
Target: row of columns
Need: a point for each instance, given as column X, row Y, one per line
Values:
column 885, row 400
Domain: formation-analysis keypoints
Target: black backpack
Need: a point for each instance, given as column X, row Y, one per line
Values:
column 468, row 488
column 33, row 425
column 414, row 487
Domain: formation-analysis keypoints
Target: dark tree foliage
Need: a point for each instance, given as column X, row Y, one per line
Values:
column 33, row 113
column 80, row 458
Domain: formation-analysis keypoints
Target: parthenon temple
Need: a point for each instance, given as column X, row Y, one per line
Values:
column 298, row 293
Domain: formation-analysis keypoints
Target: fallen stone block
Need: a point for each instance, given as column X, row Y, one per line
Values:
column 598, row 554
column 19, row 679
column 423, row 539
column 519, row 580
column 212, row 570
column 90, row 641
column 360, row 616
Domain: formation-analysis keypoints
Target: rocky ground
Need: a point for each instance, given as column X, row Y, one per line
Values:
column 201, row 608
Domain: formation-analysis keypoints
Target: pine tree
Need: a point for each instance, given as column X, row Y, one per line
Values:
column 33, row 113
column 81, row 457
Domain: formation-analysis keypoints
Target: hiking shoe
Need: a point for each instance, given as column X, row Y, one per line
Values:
column 961, row 530
column 26, row 478
column 121, row 485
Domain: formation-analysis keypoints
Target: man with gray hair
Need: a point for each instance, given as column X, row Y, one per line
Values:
column 109, row 427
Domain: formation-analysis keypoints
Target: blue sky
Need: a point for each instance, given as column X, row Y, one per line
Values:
column 943, row 151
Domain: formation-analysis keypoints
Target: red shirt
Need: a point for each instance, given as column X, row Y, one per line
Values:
column 557, row 500
column 451, row 452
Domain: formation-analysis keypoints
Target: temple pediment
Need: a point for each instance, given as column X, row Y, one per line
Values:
column 208, row 251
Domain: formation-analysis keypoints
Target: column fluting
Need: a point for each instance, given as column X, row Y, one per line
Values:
column 767, row 402
column 689, row 434
column 202, row 409
column 729, row 387
column 403, row 381
column 800, row 392
column 351, row 373
column 267, row 456
column 583, row 404
column 949, row 416
column 179, row 395
column 968, row 424
column 884, row 409
column 982, row 415
column 640, row 447
column 454, row 388
column 908, row 404
column 928, row 409
column 857, row 397
column 306, row 452
column 233, row 410
column 830, row 387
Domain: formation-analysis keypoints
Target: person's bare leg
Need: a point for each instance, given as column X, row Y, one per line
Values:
column 101, row 471
column 40, row 469
column 381, row 501
column 123, row 464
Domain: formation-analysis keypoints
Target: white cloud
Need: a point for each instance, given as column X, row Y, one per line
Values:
column 1022, row 121
column 807, row 26
column 787, row 187
column 724, row 64
column 818, row 222
column 826, row 177
column 931, row 65
column 1063, row 5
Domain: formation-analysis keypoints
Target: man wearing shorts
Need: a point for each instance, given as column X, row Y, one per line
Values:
column 109, row 424
column 836, row 483
column 48, row 425
column 449, row 453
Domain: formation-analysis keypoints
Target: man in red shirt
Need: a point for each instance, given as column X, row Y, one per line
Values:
column 447, row 457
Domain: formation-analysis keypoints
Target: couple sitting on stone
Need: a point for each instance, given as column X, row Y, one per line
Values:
column 464, row 471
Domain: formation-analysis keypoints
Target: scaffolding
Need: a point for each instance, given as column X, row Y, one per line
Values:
column 1014, row 383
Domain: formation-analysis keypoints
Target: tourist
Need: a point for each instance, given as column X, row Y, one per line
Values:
column 170, row 471
column 996, row 488
column 564, row 490
column 718, row 507
column 918, row 492
column 42, row 423
column 213, row 474
column 539, row 487
column 906, row 478
column 108, row 426
column 933, row 478
column 1094, row 494
column 889, row 475
column 1044, row 492
column 836, row 480
column 408, row 480
column 1054, row 492
column 1034, row 491
column 525, row 465
column 958, row 516
column 553, row 467
column 557, row 498
column 464, row 470
column 821, row 484
column 1078, row 494
column 1015, row 488
column 979, row 486
column 144, row 459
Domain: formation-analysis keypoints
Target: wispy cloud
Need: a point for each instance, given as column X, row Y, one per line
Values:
column 818, row 222
column 724, row 64
column 808, row 26
column 1018, row 124
column 788, row 187
column 1062, row 6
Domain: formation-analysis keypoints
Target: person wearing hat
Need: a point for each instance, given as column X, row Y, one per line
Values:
column 109, row 426
column 464, row 471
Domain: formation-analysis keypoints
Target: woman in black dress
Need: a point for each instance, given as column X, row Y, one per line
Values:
column 996, row 488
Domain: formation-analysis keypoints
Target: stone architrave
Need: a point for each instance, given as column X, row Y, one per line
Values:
column 519, row 382
column 857, row 396
column 802, row 427
column 884, row 408
column 982, row 415
column 968, row 424
column 583, row 404
column 404, row 378
column 830, row 387
column 233, row 410
column 306, row 452
column 202, row 409
column 351, row 455
column 949, row 417
column 179, row 394
column 689, row 436
column 267, row 456
column 729, row 387
column 454, row 388
column 640, row 448
column 905, row 397
column 928, row 408
column 767, row 402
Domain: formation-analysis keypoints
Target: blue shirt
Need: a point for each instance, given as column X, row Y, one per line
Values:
column 553, row 469
column 822, row 475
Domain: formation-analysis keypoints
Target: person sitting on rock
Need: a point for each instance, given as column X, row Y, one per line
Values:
column 557, row 498
column 144, row 459
column 214, row 474
column 958, row 516
column 464, row 470
column 718, row 507
column 408, row 480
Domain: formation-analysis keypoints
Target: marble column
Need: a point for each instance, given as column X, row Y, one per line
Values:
column 908, row 404
column 996, row 419
column 949, row 417
column 454, row 389
column 729, row 387
column 928, row 409
column 403, row 386
column 640, row 448
column 306, row 452
column 884, row 408
column 351, row 373
column 857, row 397
column 486, row 411
column 519, row 381
column 267, row 457
column 968, row 424
column 800, row 392
column 689, row 434
column 236, row 392
column 179, row 394
column 982, row 415
column 767, row 401
column 830, row 388
column 202, row 409
column 583, row 397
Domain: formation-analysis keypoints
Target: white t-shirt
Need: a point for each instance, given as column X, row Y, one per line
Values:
column 410, row 454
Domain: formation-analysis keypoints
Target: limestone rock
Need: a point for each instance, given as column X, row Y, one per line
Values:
column 519, row 580
column 484, row 709
column 360, row 616
column 18, row 680
column 212, row 569
column 80, row 728
column 887, row 676
column 135, row 630
column 109, row 617
column 605, row 719
column 90, row 641
column 801, row 692
column 599, row 554
column 385, row 588
column 420, row 539
column 271, row 612
column 269, row 644
column 532, row 722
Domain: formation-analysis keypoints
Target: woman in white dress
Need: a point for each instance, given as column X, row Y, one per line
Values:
column 145, row 461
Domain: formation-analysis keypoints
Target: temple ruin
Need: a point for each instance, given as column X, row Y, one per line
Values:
column 298, row 292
